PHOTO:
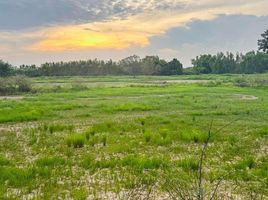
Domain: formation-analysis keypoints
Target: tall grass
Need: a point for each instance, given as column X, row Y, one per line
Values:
column 76, row 140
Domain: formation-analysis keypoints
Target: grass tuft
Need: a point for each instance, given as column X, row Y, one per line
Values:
column 76, row 140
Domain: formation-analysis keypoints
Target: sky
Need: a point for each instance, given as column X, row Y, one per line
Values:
column 38, row 31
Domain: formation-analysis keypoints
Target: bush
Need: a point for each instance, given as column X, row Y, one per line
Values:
column 23, row 84
column 14, row 85
column 251, row 82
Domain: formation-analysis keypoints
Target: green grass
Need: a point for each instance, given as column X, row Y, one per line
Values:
column 113, row 134
column 4, row 161
column 75, row 140
column 50, row 161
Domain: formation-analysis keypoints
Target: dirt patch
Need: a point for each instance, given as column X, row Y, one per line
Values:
column 11, row 98
column 246, row 97
column 181, row 81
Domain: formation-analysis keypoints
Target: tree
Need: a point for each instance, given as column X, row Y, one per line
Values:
column 173, row 67
column 131, row 65
column 263, row 43
column 203, row 64
column 5, row 69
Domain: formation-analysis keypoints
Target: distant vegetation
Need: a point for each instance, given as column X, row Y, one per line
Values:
column 251, row 62
column 133, row 65
column 14, row 85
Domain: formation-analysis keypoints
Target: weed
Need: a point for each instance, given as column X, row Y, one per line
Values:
column 88, row 161
column 104, row 140
column 60, row 127
column 164, row 133
column 93, row 141
column 80, row 194
column 193, row 136
column 246, row 163
column 189, row 164
column 263, row 132
column 50, row 161
column 147, row 136
column 33, row 139
column 75, row 140
column 17, row 177
column 4, row 161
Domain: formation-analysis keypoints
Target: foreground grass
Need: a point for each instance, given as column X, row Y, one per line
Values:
column 111, row 137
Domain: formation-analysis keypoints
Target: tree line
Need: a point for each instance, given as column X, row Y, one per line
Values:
column 221, row 63
column 251, row 62
column 133, row 65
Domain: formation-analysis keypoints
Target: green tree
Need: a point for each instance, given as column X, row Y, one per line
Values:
column 203, row 64
column 173, row 67
column 6, row 69
column 263, row 43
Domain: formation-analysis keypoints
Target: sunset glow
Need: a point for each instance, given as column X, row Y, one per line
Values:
column 123, row 31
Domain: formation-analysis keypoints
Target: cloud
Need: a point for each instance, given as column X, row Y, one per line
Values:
column 235, row 33
column 23, row 14
column 134, row 30
column 18, row 15
column 59, row 26
column 116, row 34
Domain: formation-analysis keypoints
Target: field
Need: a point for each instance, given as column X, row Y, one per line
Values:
column 136, row 138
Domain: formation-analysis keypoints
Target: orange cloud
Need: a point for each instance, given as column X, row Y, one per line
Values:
column 135, row 30
column 114, row 34
column 78, row 37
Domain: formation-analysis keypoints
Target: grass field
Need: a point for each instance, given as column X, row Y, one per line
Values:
column 135, row 138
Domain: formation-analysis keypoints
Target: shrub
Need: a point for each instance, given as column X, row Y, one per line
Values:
column 23, row 84
column 14, row 85
column 78, row 86
column 241, row 82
